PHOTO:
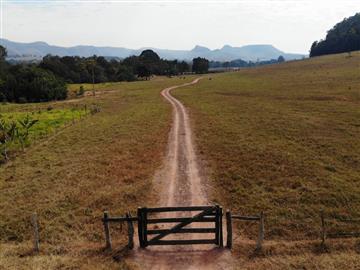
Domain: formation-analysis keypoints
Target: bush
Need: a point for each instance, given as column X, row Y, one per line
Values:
column 33, row 84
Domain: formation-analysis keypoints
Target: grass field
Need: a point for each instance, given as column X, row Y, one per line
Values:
column 74, row 88
column 283, row 139
column 48, row 120
column 104, row 161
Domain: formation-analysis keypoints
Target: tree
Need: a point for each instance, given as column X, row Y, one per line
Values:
column 7, row 136
column 91, row 64
column 3, row 65
column 23, row 134
column 143, row 71
column 33, row 84
column 200, row 65
column 149, row 56
column 281, row 59
column 124, row 73
column 183, row 67
column 343, row 37
column 150, row 63
column 3, row 53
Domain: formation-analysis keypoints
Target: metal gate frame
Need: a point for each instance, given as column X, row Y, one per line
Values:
column 208, row 214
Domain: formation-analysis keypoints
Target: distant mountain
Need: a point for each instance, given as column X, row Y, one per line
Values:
column 37, row 50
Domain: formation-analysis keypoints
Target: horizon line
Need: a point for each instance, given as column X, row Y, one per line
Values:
column 154, row 47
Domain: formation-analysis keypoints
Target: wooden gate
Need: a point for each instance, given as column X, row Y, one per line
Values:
column 206, row 215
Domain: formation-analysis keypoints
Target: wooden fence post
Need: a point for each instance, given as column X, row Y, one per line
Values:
column 34, row 221
column 261, row 232
column 107, row 231
column 228, row 229
column 323, row 231
column 144, row 218
column 217, row 234
column 221, row 244
column 140, row 227
column 130, row 231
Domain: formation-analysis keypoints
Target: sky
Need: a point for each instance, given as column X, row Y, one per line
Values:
column 289, row 25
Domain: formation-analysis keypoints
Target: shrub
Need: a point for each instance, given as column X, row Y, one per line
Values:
column 32, row 84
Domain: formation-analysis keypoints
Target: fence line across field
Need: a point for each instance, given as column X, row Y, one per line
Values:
column 324, row 228
column 206, row 214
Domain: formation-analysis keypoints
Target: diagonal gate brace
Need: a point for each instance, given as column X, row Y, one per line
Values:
column 177, row 227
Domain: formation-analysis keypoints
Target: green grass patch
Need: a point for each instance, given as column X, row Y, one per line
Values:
column 48, row 120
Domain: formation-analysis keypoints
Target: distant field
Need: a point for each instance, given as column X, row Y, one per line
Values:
column 108, row 86
column 104, row 161
column 75, row 87
column 284, row 139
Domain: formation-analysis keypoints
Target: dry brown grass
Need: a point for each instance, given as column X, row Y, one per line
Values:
column 343, row 254
column 105, row 161
column 283, row 139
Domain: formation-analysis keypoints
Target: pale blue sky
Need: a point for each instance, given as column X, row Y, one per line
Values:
column 290, row 25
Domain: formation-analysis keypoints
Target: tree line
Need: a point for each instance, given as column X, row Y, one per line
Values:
column 28, row 82
column 47, row 80
column 343, row 37
column 241, row 63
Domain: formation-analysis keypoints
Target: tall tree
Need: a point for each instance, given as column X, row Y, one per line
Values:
column 343, row 37
column 3, row 53
column 281, row 59
column 183, row 67
column 200, row 65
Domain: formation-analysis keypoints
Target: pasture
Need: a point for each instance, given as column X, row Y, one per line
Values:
column 283, row 139
column 105, row 161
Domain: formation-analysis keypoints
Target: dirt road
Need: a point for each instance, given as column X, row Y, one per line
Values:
column 181, row 184
column 181, row 175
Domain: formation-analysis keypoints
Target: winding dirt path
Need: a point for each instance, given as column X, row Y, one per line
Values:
column 180, row 184
column 182, row 177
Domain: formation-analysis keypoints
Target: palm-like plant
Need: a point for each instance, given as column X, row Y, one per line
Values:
column 23, row 135
column 8, row 133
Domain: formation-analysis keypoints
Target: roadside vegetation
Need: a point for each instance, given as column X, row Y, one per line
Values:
column 283, row 139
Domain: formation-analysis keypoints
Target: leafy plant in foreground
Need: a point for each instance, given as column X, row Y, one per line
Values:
column 23, row 134
column 8, row 133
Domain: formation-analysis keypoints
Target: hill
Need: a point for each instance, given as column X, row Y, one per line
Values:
column 37, row 50
column 343, row 37
column 282, row 139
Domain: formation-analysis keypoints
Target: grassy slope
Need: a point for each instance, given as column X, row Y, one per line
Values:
column 283, row 139
column 104, row 161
